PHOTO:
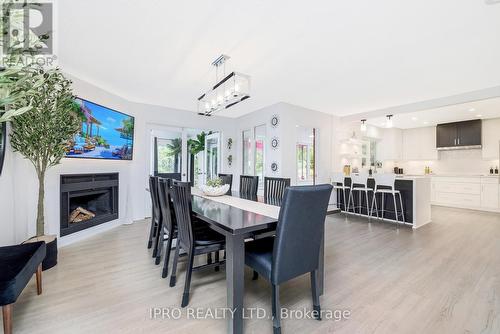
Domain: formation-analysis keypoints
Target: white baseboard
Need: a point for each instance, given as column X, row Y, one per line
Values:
column 466, row 208
column 90, row 232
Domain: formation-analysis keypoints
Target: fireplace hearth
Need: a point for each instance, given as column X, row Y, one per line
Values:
column 88, row 200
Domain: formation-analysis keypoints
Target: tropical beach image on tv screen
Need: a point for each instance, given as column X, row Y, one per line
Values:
column 104, row 133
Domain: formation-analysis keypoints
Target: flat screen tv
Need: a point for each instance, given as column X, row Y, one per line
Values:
column 104, row 133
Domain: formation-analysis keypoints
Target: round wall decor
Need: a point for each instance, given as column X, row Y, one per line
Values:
column 275, row 121
column 274, row 167
column 275, row 143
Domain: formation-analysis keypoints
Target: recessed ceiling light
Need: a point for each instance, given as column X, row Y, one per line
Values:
column 479, row 115
column 363, row 125
column 472, row 109
column 414, row 118
column 425, row 122
column 389, row 123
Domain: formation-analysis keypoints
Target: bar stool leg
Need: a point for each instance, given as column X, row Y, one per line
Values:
column 373, row 202
column 343, row 195
column 349, row 201
column 383, row 205
column 360, row 203
column 395, row 208
column 402, row 210
column 367, row 206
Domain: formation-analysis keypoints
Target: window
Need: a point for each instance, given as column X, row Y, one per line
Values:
column 368, row 153
column 254, row 152
column 305, row 162
column 168, row 155
column 260, row 144
column 247, row 147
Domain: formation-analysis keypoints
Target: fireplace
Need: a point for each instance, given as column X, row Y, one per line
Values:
column 88, row 200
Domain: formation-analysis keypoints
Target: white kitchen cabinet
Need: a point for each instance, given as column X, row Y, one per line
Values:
column 479, row 193
column 491, row 138
column 389, row 147
column 420, row 144
column 489, row 193
column 462, row 192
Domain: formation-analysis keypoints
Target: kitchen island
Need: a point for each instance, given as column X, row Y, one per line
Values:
column 415, row 192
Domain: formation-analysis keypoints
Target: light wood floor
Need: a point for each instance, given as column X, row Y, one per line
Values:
column 442, row 278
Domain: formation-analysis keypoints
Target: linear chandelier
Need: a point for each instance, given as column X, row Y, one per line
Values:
column 228, row 91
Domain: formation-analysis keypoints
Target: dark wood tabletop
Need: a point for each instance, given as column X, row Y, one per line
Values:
column 234, row 220
column 230, row 219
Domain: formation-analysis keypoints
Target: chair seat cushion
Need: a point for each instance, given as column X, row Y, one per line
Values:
column 259, row 256
column 18, row 264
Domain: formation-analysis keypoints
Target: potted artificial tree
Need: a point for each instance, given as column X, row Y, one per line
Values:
column 41, row 132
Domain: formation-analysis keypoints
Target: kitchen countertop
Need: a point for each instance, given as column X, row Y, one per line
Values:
column 455, row 175
column 406, row 177
column 422, row 176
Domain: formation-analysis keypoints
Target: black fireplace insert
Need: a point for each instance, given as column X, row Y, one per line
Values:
column 88, row 200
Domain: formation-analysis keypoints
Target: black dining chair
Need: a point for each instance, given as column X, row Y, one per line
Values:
column 295, row 249
column 274, row 189
column 168, row 226
column 156, row 213
column 227, row 179
column 194, row 241
column 248, row 186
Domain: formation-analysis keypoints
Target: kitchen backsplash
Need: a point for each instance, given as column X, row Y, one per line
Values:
column 450, row 162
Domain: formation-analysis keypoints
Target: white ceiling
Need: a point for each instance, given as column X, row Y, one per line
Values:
column 339, row 57
column 484, row 109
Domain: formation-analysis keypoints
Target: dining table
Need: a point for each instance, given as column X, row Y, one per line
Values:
column 238, row 218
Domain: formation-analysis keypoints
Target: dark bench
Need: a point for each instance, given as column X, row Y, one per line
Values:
column 18, row 264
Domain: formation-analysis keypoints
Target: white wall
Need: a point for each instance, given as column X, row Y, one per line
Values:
column 467, row 162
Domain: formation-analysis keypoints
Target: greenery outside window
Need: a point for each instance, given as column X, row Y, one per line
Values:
column 169, row 152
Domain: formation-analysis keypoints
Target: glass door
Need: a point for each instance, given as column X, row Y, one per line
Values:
column 212, row 156
column 185, row 154
column 306, row 155
column 169, row 149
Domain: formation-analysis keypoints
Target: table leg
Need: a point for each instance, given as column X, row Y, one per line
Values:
column 321, row 268
column 235, row 280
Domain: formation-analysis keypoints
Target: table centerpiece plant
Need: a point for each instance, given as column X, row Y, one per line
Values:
column 215, row 187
